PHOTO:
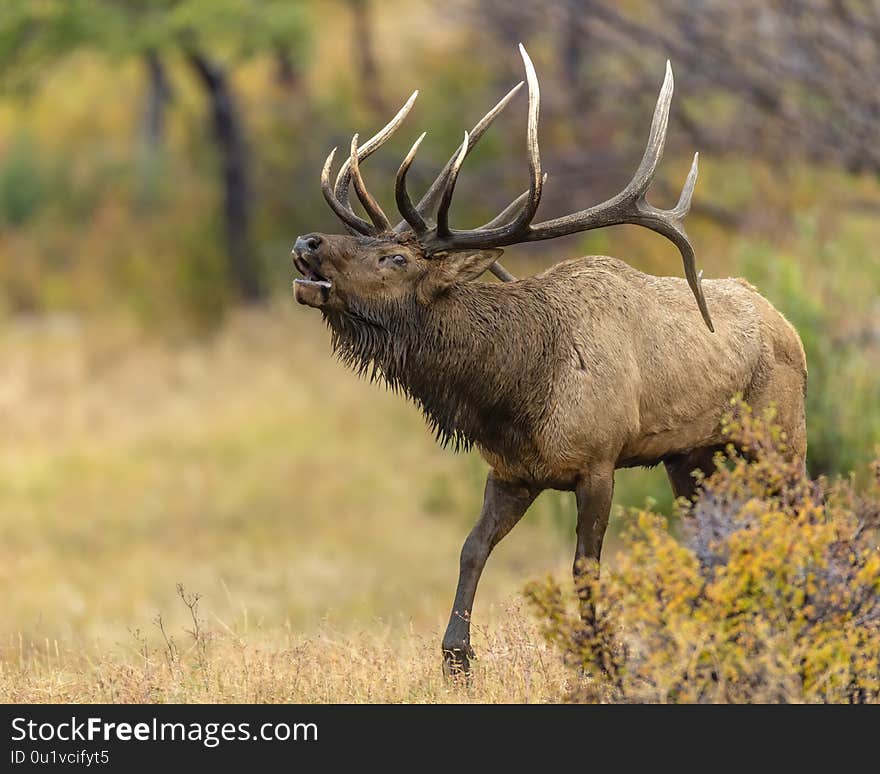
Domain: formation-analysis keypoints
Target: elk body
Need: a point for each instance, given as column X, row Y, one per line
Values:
column 558, row 379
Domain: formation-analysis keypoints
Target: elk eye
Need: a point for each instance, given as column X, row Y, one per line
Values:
column 397, row 260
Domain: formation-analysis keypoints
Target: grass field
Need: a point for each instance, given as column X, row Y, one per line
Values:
column 312, row 512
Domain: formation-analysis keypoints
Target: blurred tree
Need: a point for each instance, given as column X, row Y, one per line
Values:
column 793, row 72
column 36, row 35
column 778, row 79
column 158, row 96
column 366, row 64
column 287, row 71
column 229, row 136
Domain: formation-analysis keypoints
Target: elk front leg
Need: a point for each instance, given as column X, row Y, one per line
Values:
column 503, row 506
column 594, row 492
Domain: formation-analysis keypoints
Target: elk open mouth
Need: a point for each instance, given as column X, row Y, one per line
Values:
column 313, row 288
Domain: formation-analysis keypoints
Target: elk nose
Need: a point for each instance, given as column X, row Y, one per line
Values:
column 307, row 244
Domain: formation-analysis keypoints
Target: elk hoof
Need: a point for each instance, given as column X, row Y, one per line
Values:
column 457, row 659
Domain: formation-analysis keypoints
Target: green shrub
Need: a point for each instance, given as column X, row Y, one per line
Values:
column 772, row 595
column 842, row 391
column 22, row 183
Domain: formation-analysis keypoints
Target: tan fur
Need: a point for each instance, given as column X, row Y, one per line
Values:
column 558, row 379
column 590, row 363
column 561, row 378
column 645, row 379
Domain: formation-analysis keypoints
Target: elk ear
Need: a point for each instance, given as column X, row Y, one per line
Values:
column 470, row 266
column 450, row 268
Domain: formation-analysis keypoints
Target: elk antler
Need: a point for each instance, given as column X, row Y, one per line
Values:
column 416, row 216
column 432, row 196
column 514, row 224
column 337, row 195
column 629, row 206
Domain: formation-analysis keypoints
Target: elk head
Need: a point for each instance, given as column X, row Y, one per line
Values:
column 344, row 272
column 379, row 264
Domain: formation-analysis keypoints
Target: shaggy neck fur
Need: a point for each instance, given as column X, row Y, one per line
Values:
column 462, row 359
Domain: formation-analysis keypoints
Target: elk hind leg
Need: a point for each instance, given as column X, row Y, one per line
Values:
column 681, row 467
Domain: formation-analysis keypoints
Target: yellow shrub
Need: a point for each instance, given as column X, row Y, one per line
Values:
column 771, row 595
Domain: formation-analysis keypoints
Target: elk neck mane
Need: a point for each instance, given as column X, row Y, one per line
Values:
column 468, row 360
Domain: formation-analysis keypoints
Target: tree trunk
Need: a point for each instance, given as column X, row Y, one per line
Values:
column 571, row 52
column 365, row 55
column 229, row 136
column 158, row 96
column 287, row 74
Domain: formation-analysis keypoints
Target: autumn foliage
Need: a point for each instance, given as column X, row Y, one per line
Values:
column 770, row 593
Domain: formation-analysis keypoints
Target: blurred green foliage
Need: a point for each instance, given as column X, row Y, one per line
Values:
column 34, row 34
column 843, row 393
column 22, row 183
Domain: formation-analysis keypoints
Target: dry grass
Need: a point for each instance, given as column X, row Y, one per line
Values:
column 377, row 663
column 313, row 512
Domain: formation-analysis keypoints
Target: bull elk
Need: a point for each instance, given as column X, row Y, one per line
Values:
column 558, row 379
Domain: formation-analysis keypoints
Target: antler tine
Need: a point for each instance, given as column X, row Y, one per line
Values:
column 511, row 209
column 410, row 214
column 502, row 217
column 694, row 277
column 379, row 218
column 352, row 221
column 681, row 241
column 343, row 177
column 536, row 180
column 432, row 195
column 684, row 201
column 449, row 188
column 499, row 271
column 515, row 230
column 644, row 174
